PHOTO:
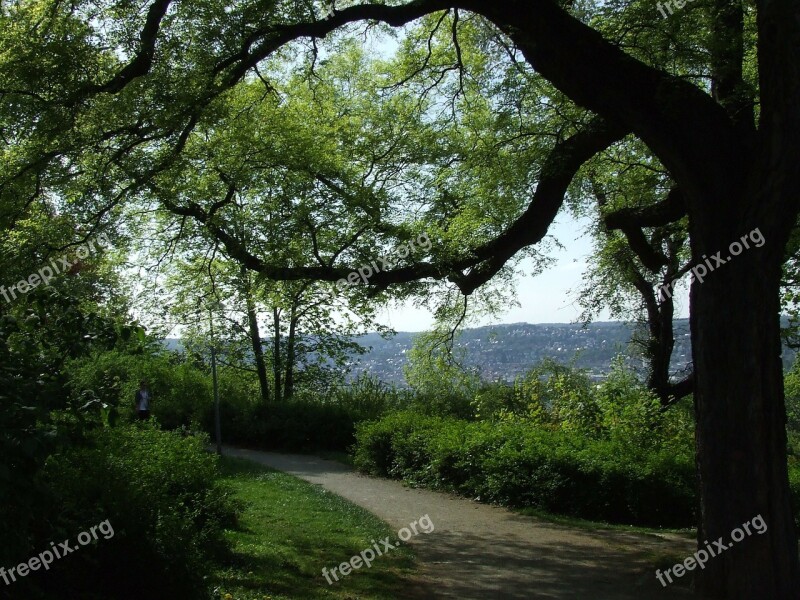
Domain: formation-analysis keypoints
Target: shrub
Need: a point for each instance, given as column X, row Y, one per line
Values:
column 557, row 394
column 632, row 416
column 181, row 391
column 794, row 488
column 792, row 393
column 366, row 398
column 494, row 400
column 441, row 385
column 383, row 447
column 158, row 491
column 561, row 397
column 515, row 464
column 306, row 425
column 308, row 421
column 300, row 425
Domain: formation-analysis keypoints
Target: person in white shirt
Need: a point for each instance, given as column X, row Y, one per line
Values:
column 143, row 398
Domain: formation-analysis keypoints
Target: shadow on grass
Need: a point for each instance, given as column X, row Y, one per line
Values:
column 290, row 530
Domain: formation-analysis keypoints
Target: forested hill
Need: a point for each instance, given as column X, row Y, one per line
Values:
column 505, row 351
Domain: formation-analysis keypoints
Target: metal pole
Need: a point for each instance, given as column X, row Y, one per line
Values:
column 217, row 423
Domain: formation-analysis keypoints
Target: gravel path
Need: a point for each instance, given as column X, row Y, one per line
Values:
column 486, row 552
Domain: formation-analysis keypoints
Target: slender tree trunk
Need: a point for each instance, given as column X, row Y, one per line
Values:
column 258, row 349
column 276, row 358
column 290, row 355
column 258, row 352
column 741, row 435
column 255, row 338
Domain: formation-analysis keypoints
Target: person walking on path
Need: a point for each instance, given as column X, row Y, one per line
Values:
column 143, row 398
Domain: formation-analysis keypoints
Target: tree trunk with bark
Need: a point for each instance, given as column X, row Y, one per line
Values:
column 739, row 405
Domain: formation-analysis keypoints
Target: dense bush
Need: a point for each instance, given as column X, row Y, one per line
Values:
column 181, row 391
column 794, row 488
column 366, row 398
column 559, row 397
column 516, row 464
column 183, row 398
column 309, row 421
column 159, row 493
column 37, row 335
column 440, row 383
column 294, row 425
column 792, row 393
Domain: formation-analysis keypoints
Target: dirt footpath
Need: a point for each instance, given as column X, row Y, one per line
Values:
column 486, row 552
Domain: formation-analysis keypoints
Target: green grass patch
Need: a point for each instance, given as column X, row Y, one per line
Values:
column 289, row 530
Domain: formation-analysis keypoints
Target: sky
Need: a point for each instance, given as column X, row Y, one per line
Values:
column 549, row 297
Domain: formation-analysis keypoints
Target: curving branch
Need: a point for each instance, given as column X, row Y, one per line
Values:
column 659, row 306
column 669, row 210
column 237, row 250
column 558, row 170
column 652, row 257
column 692, row 134
column 142, row 61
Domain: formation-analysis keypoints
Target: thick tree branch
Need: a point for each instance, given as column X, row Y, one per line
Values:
column 652, row 258
column 659, row 305
column 691, row 134
column 260, row 45
column 143, row 60
column 779, row 94
column 557, row 173
column 669, row 210
column 727, row 59
column 237, row 250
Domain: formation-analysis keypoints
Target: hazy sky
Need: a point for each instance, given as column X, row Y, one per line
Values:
column 546, row 298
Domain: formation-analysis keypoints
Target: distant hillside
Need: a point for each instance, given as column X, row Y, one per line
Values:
column 506, row 351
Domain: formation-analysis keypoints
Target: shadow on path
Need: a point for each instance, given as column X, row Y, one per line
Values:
column 486, row 552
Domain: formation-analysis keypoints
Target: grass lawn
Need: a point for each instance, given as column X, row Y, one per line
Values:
column 289, row 530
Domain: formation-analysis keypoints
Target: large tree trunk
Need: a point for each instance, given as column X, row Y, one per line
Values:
column 741, row 435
